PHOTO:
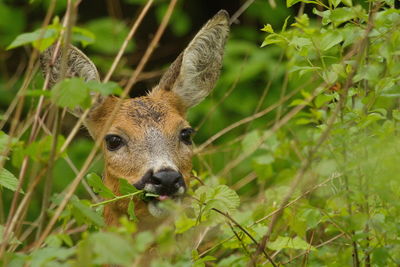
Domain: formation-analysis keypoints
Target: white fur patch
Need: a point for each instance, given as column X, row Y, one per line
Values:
column 156, row 210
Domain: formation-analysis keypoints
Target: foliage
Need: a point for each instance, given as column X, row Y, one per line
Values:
column 308, row 171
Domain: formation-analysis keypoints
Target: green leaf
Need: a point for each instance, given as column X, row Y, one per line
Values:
column 105, row 89
column 70, row 93
column 183, row 223
column 300, row 42
column 110, row 34
column 343, row 14
column 40, row 39
column 3, row 141
column 348, row 3
column 131, row 211
column 326, row 15
column 290, row 3
column 268, row 28
column 323, row 99
column 330, row 39
column 303, row 69
column 396, row 114
column 143, row 240
column 8, row 180
column 286, row 242
column 200, row 262
column 220, row 197
column 83, row 213
column 272, row 39
column 330, row 77
column 83, row 36
column 335, row 3
column 285, row 24
column 125, row 188
column 48, row 256
column 302, row 21
column 111, row 248
column 312, row 217
column 98, row 187
column 251, row 141
column 41, row 150
column 381, row 256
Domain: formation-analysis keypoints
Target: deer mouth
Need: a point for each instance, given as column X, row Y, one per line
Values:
column 156, row 204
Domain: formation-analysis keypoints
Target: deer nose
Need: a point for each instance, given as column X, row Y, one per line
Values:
column 167, row 182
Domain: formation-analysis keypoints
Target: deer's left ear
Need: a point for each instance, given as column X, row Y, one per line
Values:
column 194, row 73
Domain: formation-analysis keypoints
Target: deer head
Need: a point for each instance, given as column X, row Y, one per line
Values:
column 149, row 140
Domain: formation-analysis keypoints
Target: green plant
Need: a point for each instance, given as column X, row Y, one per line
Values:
column 297, row 162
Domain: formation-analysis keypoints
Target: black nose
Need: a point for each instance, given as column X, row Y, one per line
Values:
column 167, row 182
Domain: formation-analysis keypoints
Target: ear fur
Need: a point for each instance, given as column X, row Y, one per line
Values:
column 78, row 65
column 194, row 73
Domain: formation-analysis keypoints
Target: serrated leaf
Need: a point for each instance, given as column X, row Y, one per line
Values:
column 125, row 188
column 220, row 197
column 8, row 180
column 86, row 214
column 70, row 93
column 98, row 187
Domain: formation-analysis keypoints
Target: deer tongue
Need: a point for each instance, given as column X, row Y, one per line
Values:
column 163, row 197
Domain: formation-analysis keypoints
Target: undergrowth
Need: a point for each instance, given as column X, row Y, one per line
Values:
column 297, row 162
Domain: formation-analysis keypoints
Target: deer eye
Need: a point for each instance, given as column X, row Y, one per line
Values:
column 113, row 142
column 186, row 135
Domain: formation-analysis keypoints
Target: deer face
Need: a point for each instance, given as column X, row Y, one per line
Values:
column 149, row 141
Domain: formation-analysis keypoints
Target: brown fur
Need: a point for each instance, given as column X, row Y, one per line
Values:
column 151, row 125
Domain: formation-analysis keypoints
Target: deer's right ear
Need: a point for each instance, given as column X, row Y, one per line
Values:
column 77, row 65
column 194, row 73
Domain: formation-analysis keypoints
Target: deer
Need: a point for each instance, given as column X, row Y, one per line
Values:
column 149, row 141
